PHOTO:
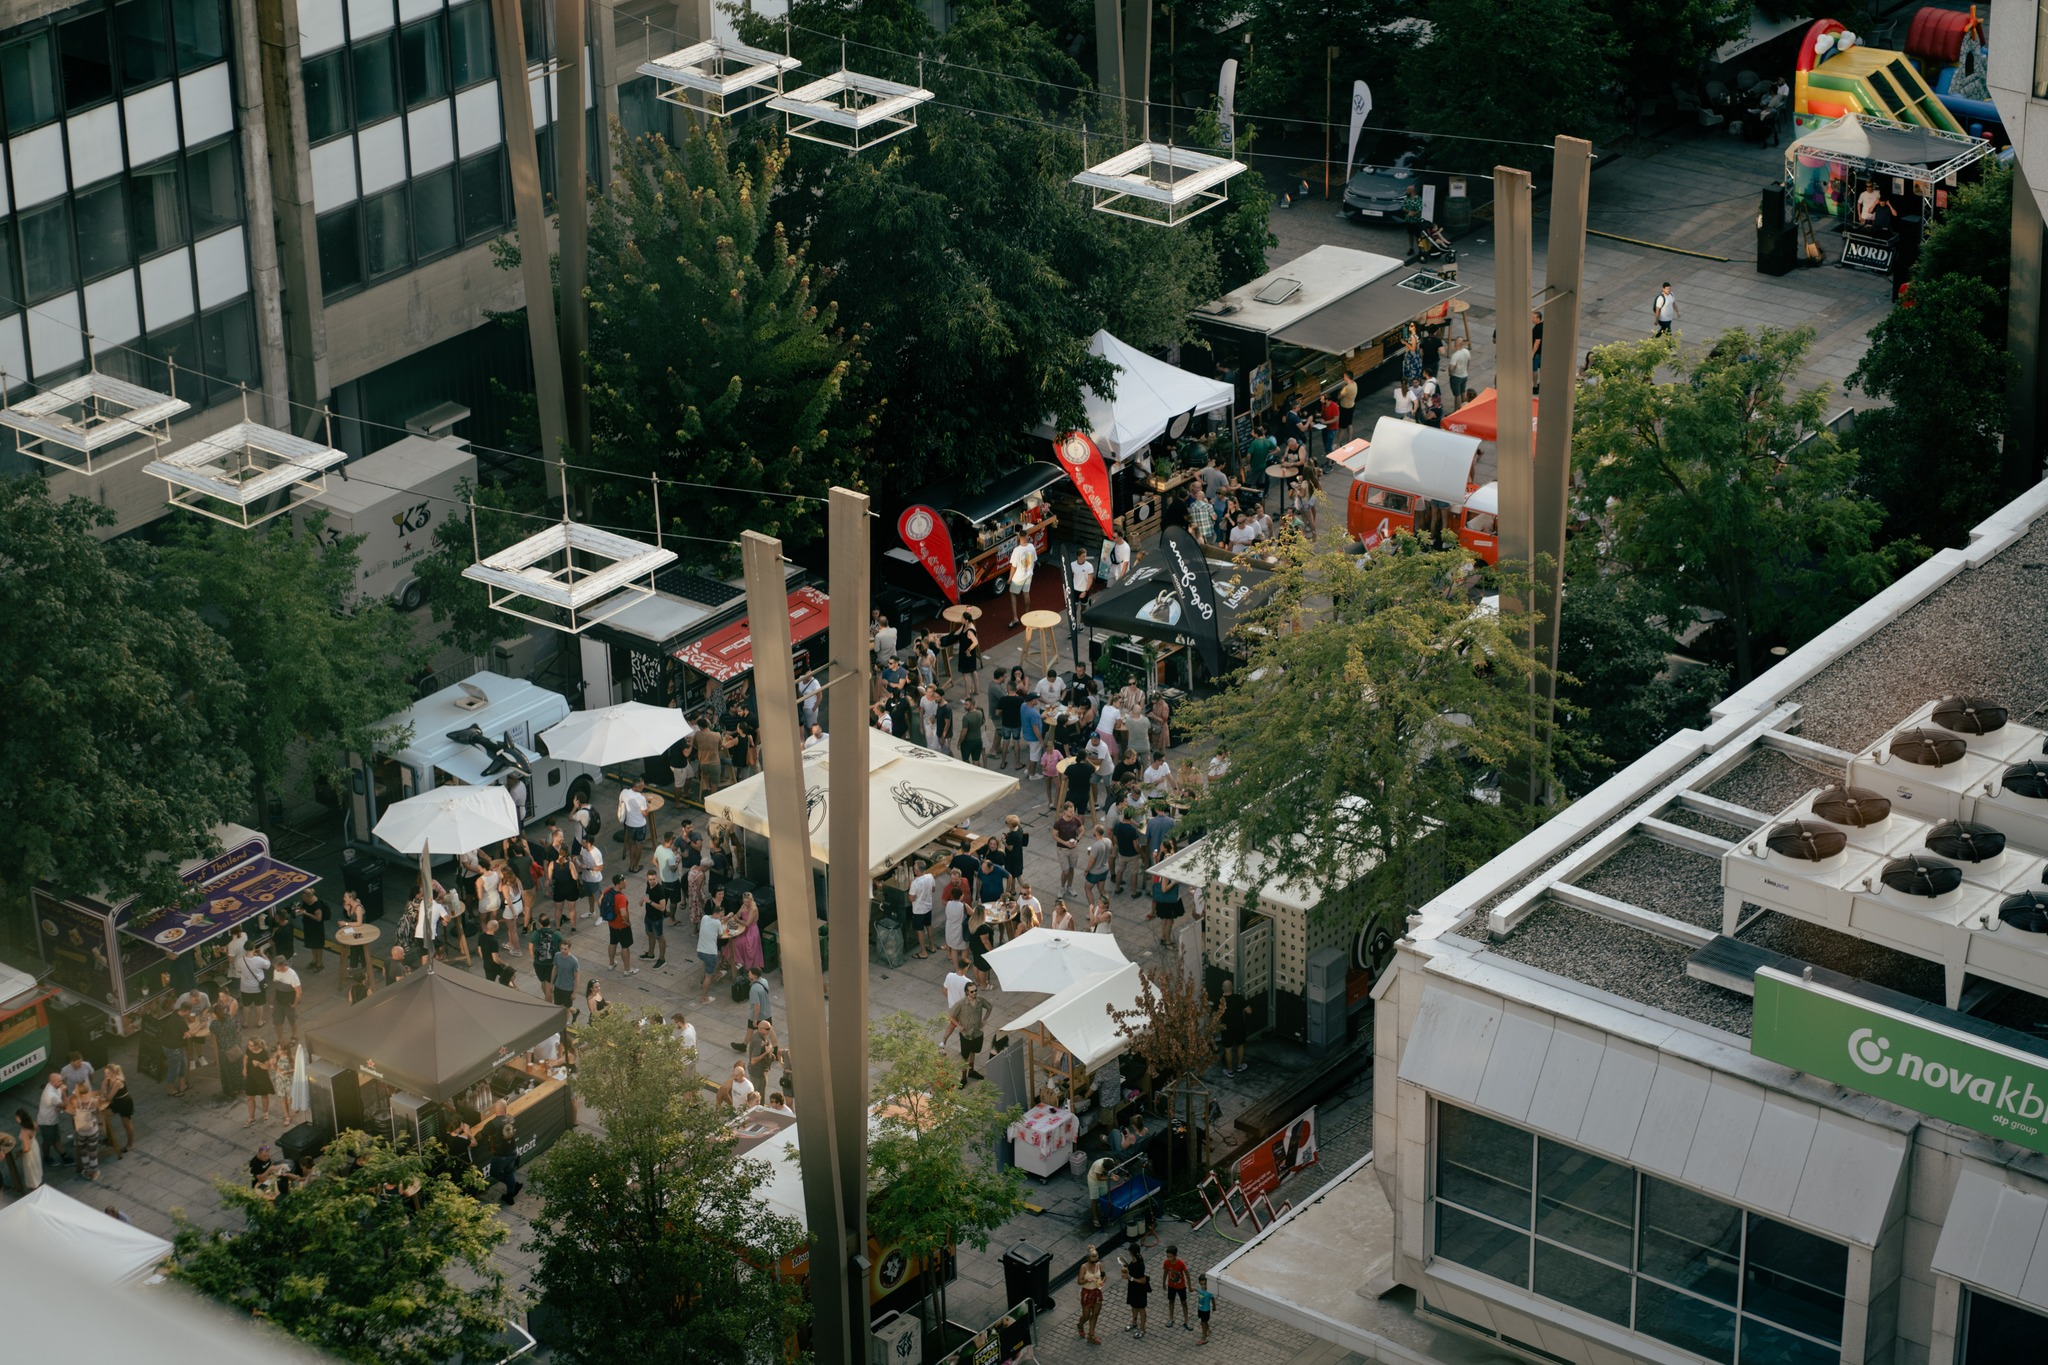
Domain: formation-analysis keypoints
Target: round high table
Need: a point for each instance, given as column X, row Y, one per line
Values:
column 355, row 936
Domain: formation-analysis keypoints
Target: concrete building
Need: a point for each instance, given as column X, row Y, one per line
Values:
column 297, row 196
column 1705, row 1069
column 2018, row 37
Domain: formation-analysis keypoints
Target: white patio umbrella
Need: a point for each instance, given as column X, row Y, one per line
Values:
column 450, row 818
column 1051, row 960
column 616, row 734
column 299, row 1095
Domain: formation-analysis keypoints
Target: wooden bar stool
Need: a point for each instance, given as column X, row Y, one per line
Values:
column 1040, row 642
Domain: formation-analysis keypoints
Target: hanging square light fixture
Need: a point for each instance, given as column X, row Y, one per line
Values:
column 79, row 426
column 718, row 78
column 245, row 475
column 850, row 111
column 569, row 576
column 1159, row 183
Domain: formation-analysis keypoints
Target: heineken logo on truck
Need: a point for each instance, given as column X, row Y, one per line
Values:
column 1914, row 1062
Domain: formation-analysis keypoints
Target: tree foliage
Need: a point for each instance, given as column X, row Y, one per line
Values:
column 932, row 1182
column 1724, row 491
column 1373, row 699
column 1172, row 1026
column 1288, row 76
column 358, row 1264
column 322, row 672
column 117, row 759
column 1554, row 77
column 460, row 606
column 1661, row 41
column 1974, row 237
column 1626, row 697
column 651, row 1241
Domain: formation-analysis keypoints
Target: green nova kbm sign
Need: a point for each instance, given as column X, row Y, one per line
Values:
column 1912, row 1062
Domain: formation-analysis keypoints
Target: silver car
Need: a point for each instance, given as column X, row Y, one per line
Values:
column 1377, row 191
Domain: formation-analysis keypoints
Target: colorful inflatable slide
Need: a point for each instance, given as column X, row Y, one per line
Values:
column 1837, row 75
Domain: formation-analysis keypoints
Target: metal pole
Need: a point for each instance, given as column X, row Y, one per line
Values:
column 1514, row 272
column 1564, row 277
column 572, row 201
column 847, row 878
column 803, row 981
column 1329, row 56
column 516, row 107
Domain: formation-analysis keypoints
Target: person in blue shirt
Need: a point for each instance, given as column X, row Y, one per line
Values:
column 1205, row 1304
column 992, row 881
column 1032, row 723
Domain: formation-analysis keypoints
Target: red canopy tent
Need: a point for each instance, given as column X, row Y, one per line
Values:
column 1480, row 416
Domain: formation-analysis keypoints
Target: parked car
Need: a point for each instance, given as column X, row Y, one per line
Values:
column 1376, row 190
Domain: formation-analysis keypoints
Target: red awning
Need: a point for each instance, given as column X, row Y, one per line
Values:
column 725, row 654
column 1480, row 416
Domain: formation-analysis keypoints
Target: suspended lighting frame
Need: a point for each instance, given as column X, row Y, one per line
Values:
column 88, row 418
column 246, row 475
column 1159, row 183
column 718, row 78
column 578, row 575
column 850, row 111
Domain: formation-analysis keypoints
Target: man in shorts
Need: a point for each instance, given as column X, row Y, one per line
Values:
column 1173, row 1273
column 1066, row 837
column 970, row 1019
column 564, row 978
column 924, row 889
column 618, row 922
column 285, row 992
column 709, row 930
column 654, row 919
column 1205, row 1304
column 1023, row 564
column 633, row 814
column 1101, row 857
column 546, row 943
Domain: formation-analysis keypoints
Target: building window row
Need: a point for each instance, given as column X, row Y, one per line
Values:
column 82, row 57
column 427, row 216
column 382, row 74
column 1720, row 1282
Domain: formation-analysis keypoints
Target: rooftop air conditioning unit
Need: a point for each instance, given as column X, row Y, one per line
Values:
column 1946, row 758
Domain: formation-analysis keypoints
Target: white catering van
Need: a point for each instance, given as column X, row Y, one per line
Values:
column 498, row 719
column 395, row 499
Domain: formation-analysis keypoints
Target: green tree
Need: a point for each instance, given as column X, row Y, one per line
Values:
column 1723, row 489
column 933, row 1182
column 117, row 759
column 1374, row 699
column 1659, row 41
column 1288, row 75
column 376, row 1258
column 712, row 357
column 460, row 606
column 1553, row 77
column 322, row 674
column 1974, row 237
column 1625, row 694
column 1934, row 458
column 651, row 1240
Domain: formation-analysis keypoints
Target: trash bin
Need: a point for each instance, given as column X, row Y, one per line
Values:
column 1027, row 1277
column 886, row 934
column 363, row 874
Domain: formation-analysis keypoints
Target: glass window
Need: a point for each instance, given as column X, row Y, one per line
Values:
column 10, row 287
column 433, row 214
column 472, row 59
column 326, row 80
column 201, row 30
column 538, row 17
column 544, row 148
column 145, row 35
column 156, row 207
column 483, row 194
column 1485, row 1246
column 1763, row 1344
column 387, row 236
column 1686, row 1322
column 28, row 81
column 229, row 336
column 215, row 175
column 103, row 245
column 178, row 344
column 1794, row 1278
column 423, row 61
column 1996, row 1332
column 1579, row 1282
column 1586, row 1202
column 85, row 56
column 1483, row 1164
column 1690, row 1240
column 47, row 264
column 374, row 67
column 341, row 255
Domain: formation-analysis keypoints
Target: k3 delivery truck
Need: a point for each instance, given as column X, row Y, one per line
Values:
column 395, row 499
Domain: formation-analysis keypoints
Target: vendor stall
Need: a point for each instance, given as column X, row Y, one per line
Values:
column 1146, row 607
column 1070, row 1040
column 1418, row 480
column 637, row 654
column 437, row 1049
column 121, row 955
column 1915, row 170
column 25, row 1042
column 980, row 529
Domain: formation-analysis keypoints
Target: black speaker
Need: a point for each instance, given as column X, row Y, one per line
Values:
column 363, row 875
column 1777, row 241
column 302, row 1144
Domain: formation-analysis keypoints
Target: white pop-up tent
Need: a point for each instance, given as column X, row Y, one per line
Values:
column 1150, row 394
column 104, row 1249
column 1078, row 1019
column 914, row 795
column 1417, row 459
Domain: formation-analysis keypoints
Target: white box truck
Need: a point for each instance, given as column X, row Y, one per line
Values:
column 490, row 711
column 394, row 499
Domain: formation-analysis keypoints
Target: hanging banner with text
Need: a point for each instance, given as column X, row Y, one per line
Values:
column 1083, row 463
column 1197, row 589
column 924, row 533
column 1292, row 1149
column 1912, row 1061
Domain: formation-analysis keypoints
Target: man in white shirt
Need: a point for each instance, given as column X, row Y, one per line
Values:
column 591, row 880
column 816, row 737
column 743, row 1091
column 50, row 1122
column 1082, row 574
column 1105, row 722
column 1116, row 559
column 1023, row 565
column 686, row 1032
column 957, row 983
column 633, row 810
column 924, row 889
column 1461, row 371
column 1244, row 533
column 778, row 1104
column 250, row 970
column 285, row 992
column 517, row 790
column 1219, row 765
column 807, row 693
column 1666, row 308
column 1049, row 690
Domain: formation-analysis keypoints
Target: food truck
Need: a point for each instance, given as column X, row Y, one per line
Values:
column 121, row 955
column 26, row 1047
column 1409, row 475
column 983, row 527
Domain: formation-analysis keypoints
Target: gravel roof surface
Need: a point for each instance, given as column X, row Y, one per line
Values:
column 1671, row 881
column 1768, row 781
column 1706, row 824
column 1844, row 953
column 1627, row 962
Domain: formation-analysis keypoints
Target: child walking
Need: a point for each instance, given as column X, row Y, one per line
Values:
column 1205, row 1304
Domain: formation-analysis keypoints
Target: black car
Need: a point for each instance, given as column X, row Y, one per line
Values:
column 1377, row 189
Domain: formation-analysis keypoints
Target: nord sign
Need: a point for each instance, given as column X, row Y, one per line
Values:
column 1912, row 1062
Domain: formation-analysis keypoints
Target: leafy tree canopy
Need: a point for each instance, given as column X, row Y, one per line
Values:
column 122, row 705
column 1723, row 490
column 461, row 607
column 1974, row 237
column 358, row 1260
column 1659, row 41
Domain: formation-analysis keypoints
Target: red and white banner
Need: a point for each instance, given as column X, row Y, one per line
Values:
column 1084, row 465
column 1292, row 1149
column 924, row 532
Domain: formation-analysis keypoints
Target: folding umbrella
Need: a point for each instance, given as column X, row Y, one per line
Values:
column 616, row 734
column 1051, row 960
column 449, row 818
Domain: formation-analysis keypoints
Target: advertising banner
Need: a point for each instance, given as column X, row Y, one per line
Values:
column 1226, row 99
column 1083, row 463
column 924, row 534
column 1913, row 1062
column 1292, row 1149
column 1191, row 579
column 1361, row 105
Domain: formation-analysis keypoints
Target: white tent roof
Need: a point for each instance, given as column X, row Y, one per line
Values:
column 14, row 984
column 914, row 795
column 1485, row 498
column 107, row 1250
column 1149, row 394
column 1418, row 459
column 1078, row 1017
column 1251, row 872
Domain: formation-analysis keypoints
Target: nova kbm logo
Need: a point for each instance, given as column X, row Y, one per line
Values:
column 1872, row 1056
column 1869, row 1053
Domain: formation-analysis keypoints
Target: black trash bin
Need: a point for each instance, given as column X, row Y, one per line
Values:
column 363, row 874
column 1027, row 1277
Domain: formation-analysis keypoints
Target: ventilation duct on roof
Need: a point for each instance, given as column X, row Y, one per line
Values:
column 1920, row 875
column 1966, row 842
column 1969, row 715
column 1859, row 807
column 2027, row 911
column 1928, row 748
column 1807, row 840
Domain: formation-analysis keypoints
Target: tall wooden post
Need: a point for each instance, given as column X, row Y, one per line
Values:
column 1514, row 274
column 834, row 1318
column 1564, row 271
column 572, row 201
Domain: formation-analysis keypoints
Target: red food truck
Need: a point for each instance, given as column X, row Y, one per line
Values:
column 1409, row 475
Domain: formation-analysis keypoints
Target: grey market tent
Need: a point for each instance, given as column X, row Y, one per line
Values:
column 437, row 1033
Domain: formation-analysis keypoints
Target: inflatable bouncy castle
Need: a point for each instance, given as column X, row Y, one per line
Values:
column 1837, row 75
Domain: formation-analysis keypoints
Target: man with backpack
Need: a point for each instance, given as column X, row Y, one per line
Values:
column 546, row 943
column 618, row 919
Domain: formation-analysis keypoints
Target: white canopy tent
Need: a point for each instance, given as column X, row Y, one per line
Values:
column 1054, row 959
column 105, row 1250
column 914, row 795
column 1150, row 394
column 1417, row 459
column 1078, row 1017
